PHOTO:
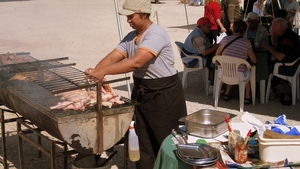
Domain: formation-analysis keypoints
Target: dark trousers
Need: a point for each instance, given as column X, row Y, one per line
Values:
column 213, row 36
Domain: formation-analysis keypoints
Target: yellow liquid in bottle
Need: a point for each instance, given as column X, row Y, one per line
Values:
column 134, row 155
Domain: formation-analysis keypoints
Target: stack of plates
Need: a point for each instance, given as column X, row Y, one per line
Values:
column 197, row 154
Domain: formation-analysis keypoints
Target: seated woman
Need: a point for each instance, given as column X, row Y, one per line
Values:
column 259, row 7
column 241, row 48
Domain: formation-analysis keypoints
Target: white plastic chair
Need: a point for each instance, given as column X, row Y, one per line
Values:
column 293, row 80
column 186, row 69
column 230, row 75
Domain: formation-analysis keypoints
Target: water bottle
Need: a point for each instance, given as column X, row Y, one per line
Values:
column 133, row 144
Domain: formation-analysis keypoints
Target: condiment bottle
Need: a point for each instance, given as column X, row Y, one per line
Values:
column 133, row 144
column 241, row 151
column 232, row 142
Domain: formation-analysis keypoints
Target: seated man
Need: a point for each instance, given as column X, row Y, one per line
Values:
column 291, row 7
column 197, row 43
column 255, row 32
column 279, row 14
column 287, row 48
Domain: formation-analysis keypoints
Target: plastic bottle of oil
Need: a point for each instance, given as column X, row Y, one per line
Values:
column 133, row 144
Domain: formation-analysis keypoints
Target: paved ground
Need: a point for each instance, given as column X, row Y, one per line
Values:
column 85, row 31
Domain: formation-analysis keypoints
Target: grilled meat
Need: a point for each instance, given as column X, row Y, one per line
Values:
column 79, row 99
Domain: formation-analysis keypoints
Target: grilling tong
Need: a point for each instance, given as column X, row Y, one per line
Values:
column 181, row 138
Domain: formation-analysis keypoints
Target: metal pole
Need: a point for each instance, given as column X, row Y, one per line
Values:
column 127, row 81
column 156, row 17
column 187, row 19
column 3, row 140
column 121, row 37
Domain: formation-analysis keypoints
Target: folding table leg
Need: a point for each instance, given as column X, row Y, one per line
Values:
column 4, row 155
column 40, row 142
column 65, row 156
column 125, row 160
column 52, row 155
column 262, row 89
column 20, row 146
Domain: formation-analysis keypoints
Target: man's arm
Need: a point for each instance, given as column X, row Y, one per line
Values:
column 277, row 55
column 200, row 44
column 210, row 50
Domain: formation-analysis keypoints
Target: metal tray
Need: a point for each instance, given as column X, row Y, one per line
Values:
column 197, row 154
column 195, row 151
column 206, row 123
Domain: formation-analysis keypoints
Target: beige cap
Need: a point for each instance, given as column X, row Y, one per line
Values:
column 136, row 6
column 252, row 15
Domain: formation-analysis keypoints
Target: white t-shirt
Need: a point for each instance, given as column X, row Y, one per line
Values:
column 256, row 10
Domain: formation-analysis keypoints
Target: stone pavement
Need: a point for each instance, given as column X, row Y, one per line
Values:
column 85, row 31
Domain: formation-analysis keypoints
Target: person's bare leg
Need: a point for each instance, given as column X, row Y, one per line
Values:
column 247, row 93
column 227, row 95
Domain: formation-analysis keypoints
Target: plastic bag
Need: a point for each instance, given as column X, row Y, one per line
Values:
column 221, row 36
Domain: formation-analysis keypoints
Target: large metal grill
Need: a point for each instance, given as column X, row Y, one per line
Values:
column 29, row 86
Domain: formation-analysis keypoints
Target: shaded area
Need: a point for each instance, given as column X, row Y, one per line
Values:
column 158, row 2
column 191, row 26
column 30, row 153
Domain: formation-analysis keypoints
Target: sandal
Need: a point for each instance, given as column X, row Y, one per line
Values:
column 247, row 101
column 227, row 97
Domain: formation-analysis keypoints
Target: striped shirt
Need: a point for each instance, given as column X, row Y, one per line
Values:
column 238, row 48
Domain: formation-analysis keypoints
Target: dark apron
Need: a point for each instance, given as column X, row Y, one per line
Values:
column 161, row 104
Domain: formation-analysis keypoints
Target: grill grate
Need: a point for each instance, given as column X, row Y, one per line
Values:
column 51, row 74
column 57, row 79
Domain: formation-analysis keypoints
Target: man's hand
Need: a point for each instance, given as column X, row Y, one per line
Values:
column 274, row 53
column 231, row 27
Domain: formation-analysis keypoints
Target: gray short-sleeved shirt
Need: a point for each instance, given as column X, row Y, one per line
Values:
column 156, row 40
